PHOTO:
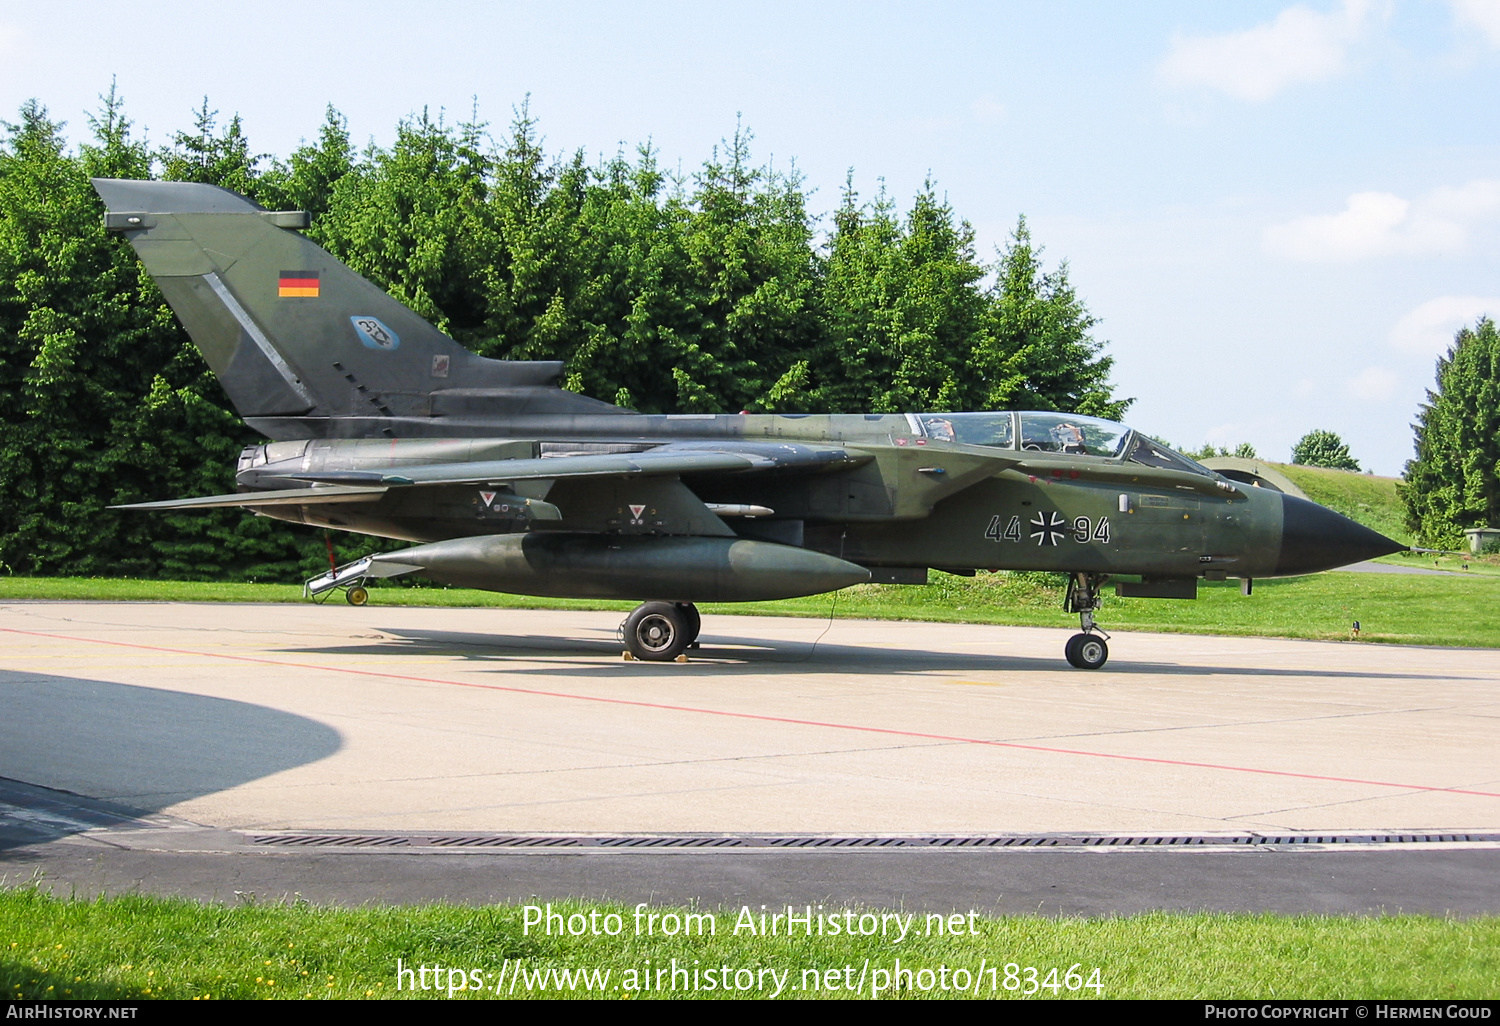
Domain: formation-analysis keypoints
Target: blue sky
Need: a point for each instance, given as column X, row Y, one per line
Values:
column 1280, row 213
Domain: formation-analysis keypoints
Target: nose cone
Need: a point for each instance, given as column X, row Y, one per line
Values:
column 1315, row 538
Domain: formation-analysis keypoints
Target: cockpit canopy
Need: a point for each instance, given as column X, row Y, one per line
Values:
column 1065, row 433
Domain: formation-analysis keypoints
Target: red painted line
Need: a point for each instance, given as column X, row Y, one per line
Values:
column 759, row 716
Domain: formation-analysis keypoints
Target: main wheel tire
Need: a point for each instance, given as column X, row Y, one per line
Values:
column 357, row 596
column 1070, row 650
column 692, row 619
column 1087, row 651
column 657, row 632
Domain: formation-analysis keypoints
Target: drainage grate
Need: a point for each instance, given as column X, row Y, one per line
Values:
column 332, row 840
column 1001, row 842
column 671, row 842
column 488, row 841
column 840, row 842
column 1290, row 839
column 810, row 842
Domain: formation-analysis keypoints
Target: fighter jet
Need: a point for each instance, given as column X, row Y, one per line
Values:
column 380, row 424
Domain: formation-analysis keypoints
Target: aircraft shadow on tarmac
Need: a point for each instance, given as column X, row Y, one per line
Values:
column 581, row 657
column 139, row 749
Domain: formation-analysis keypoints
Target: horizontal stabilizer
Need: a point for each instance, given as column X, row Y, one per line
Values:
column 280, row 497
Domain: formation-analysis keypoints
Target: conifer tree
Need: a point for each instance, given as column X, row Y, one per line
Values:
column 1454, row 481
column 1044, row 357
column 103, row 399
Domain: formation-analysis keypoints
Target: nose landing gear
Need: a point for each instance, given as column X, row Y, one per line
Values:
column 1089, row 650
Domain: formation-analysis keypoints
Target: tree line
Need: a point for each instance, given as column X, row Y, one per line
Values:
column 715, row 291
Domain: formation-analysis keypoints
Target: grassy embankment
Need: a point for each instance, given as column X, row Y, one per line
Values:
column 1364, row 497
column 138, row 947
column 1455, row 609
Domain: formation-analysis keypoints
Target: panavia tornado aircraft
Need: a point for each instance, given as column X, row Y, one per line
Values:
column 383, row 425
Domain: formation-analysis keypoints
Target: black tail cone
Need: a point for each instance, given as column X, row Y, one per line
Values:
column 1315, row 538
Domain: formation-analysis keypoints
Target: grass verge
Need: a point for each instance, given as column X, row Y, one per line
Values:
column 141, row 947
column 1393, row 608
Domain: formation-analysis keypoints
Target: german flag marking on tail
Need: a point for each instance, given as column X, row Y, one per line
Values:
column 298, row 284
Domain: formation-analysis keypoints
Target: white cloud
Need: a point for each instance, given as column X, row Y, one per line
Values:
column 1376, row 224
column 1374, row 384
column 1429, row 329
column 1301, row 45
column 987, row 110
column 1477, row 199
column 1483, row 15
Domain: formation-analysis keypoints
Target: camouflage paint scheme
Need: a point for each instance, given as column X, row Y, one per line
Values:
column 383, row 425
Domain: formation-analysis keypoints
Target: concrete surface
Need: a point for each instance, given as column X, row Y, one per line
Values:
column 307, row 717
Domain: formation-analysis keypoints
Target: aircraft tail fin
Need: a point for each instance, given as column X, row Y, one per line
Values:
column 303, row 346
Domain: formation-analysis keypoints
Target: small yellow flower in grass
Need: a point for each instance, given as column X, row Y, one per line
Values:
column 369, row 993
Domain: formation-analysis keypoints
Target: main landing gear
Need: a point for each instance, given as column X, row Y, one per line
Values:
column 1089, row 650
column 661, row 631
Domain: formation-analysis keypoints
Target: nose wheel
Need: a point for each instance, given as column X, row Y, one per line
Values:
column 661, row 631
column 1089, row 650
